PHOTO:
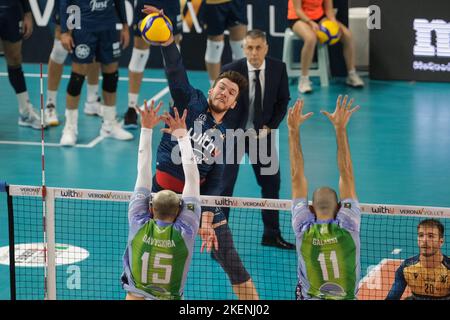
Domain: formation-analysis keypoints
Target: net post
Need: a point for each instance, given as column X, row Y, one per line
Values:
column 51, row 247
column 12, row 254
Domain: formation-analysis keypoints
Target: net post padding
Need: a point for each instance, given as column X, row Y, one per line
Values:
column 51, row 246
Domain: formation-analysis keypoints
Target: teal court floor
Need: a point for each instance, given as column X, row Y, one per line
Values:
column 399, row 139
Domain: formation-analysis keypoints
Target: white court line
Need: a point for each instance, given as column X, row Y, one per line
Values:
column 52, row 144
column 91, row 144
column 157, row 96
column 66, row 76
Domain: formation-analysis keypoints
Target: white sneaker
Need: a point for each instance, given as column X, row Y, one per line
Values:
column 93, row 108
column 304, row 85
column 69, row 137
column 30, row 119
column 50, row 115
column 113, row 129
column 354, row 80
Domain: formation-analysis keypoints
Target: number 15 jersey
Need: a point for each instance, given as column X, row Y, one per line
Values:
column 158, row 255
column 328, row 251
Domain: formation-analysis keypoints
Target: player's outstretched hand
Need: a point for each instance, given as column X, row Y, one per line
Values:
column 207, row 233
column 149, row 116
column 176, row 125
column 295, row 116
column 341, row 115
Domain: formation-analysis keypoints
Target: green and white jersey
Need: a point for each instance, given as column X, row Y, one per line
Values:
column 328, row 251
column 158, row 255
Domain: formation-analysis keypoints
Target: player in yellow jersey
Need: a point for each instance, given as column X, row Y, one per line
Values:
column 428, row 273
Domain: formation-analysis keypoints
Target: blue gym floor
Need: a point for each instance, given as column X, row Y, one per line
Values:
column 400, row 143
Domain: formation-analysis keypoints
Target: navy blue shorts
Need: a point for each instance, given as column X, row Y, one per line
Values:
column 171, row 10
column 219, row 217
column 11, row 24
column 216, row 18
column 104, row 46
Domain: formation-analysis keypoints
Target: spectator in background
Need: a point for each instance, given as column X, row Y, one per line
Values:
column 304, row 17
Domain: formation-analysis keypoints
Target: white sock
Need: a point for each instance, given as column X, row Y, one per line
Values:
column 92, row 92
column 51, row 97
column 353, row 71
column 23, row 100
column 132, row 99
column 72, row 117
column 211, row 83
column 304, row 78
column 109, row 113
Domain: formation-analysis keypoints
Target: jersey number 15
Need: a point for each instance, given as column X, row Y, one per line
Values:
column 167, row 268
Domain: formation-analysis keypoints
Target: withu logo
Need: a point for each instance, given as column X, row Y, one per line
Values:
column 424, row 38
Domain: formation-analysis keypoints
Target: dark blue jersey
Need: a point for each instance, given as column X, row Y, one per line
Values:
column 207, row 136
column 5, row 4
column 96, row 15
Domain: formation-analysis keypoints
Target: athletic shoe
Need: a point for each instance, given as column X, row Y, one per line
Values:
column 354, row 80
column 304, row 85
column 112, row 129
column 93, row 108
column 130, row 119
column 50, row 115
column 30, row 119
column 69, row 137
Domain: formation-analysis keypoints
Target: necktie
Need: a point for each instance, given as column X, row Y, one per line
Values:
column 257, row 119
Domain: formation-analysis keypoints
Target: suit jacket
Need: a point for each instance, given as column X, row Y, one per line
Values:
column 275, row 100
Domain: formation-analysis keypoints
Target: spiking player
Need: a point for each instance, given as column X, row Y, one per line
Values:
column 204, row 123
column 163, row 227
column 328, row 232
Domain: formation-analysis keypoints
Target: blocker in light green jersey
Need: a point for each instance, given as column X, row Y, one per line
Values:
column 328, row 252
column 158, row 255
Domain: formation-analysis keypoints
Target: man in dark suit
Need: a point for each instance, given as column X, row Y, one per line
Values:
column 259, row 111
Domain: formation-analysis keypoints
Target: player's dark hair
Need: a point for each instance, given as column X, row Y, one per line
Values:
column 235, row 77
column 256, row 33
column 434, row 224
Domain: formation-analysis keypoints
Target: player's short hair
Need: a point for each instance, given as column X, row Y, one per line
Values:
column 166, row 204
column 327, row 202
column 256, row 33
column 235, row 77
column 434, row 223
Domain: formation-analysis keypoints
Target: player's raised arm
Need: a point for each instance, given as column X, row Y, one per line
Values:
column 295, row 119
column 177, row 127
column 340, row 118
column 149, row 119
column 180, row 88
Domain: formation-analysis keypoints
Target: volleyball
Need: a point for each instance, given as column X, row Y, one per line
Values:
column 329, row 32
column 156, row 28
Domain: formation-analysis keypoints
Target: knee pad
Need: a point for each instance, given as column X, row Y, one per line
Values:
column 138, row 60
column 228, row 257
column 58, row 54
column 237, row 49
column 75, row 84
column 110, row 82
column 17, row 79
column 214, row 51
